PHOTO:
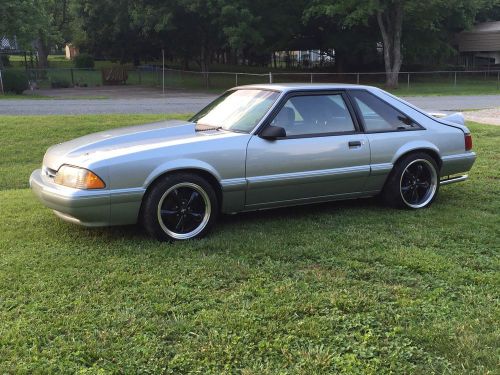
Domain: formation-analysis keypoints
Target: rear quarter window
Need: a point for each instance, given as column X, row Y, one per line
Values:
column 379, row 116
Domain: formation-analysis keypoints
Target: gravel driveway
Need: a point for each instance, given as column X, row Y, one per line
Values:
column 100, row 106
column 486, row 116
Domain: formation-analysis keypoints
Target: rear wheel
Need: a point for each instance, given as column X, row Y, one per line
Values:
column 413, row 183
column 180, row 207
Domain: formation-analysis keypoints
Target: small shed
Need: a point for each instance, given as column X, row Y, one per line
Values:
column 480, row 46
column 71, row 51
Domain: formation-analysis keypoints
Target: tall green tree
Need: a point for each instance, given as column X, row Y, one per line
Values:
column 106, row 29
column 39, row 23
column 17, row 19
column 52, row 28
column 393, row 17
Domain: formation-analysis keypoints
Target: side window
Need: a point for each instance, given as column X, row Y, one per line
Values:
column 379, row 116
column 314, row 114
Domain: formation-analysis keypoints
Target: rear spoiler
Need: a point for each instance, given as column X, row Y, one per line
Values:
column 455, row 118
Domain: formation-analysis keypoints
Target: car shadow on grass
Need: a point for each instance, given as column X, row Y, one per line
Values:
column 268, row 220
column 300, row 212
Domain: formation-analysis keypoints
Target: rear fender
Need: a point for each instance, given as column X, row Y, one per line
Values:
column 419, row 145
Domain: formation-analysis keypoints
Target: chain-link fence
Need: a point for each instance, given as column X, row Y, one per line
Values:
column 483, row 80
column 406, row 79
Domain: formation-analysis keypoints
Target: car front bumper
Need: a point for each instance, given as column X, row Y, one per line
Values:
column 84, row 207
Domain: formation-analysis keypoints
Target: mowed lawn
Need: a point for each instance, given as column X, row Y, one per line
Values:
column 347, row 287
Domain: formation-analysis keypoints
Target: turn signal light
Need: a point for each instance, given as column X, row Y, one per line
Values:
column 92, row 181
column 468, row 142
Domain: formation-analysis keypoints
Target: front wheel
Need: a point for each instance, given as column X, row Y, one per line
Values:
column 179, row 207
column 413, row 183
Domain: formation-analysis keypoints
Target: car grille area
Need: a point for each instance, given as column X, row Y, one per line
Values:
column 49, row 172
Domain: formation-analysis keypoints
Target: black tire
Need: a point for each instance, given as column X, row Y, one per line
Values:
column 413, row 182
column 180, row 206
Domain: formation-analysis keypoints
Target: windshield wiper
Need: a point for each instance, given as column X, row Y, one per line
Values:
column 204, row 127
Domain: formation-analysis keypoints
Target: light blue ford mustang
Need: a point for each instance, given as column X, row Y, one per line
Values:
column 255, row 147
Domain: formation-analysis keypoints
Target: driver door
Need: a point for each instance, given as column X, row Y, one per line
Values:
column 323, row 155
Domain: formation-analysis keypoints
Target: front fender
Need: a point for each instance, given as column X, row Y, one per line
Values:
column 179, row 164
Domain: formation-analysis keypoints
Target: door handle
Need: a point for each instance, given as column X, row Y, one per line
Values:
column 354, row 144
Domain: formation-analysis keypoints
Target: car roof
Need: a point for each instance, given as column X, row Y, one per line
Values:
column 284, row 87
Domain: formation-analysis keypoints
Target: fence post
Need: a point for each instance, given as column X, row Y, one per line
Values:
column 455, row 80
column 270, row 77
column 1, row 82
column 498, row 80
column 311, row 78
column 408, row 81
column 163, row 71
column 72, row 77
column 357, row 78
column 236, row 79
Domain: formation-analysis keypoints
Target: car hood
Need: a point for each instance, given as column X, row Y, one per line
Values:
column 111, row 142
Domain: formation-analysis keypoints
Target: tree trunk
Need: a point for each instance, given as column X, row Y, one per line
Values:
column 390, row 22
column 204, row 59
column 43, row 53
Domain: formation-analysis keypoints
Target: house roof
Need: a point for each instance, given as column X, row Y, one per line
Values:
column 485, row 27
column 484, row 37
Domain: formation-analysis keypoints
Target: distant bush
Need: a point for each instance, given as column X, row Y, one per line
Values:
column 5, row 60
column 14, row 81
column 59, row 83
column 84, row 61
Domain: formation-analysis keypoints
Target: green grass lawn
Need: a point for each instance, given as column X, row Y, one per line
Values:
column 24, row 96
column 57, row 61
column 468, row 87
column 348, row 287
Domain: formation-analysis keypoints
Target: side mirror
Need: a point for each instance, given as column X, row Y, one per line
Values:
column 272, row 132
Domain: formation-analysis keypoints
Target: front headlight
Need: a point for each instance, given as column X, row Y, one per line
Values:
column 78, row 178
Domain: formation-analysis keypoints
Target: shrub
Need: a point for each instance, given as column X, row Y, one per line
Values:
column 59, row 83
column 84, row 61
column 14, row 81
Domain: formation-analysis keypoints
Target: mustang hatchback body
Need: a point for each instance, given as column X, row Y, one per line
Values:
column 255, row 147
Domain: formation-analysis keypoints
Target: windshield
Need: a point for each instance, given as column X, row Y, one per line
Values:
column 239, row 110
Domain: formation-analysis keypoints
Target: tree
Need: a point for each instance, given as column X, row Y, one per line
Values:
column 16, row 19
column 105, row 28
column 39, row 22
column 51, row 20
column 352, row 46
column 390, row 22
column 394, row 16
